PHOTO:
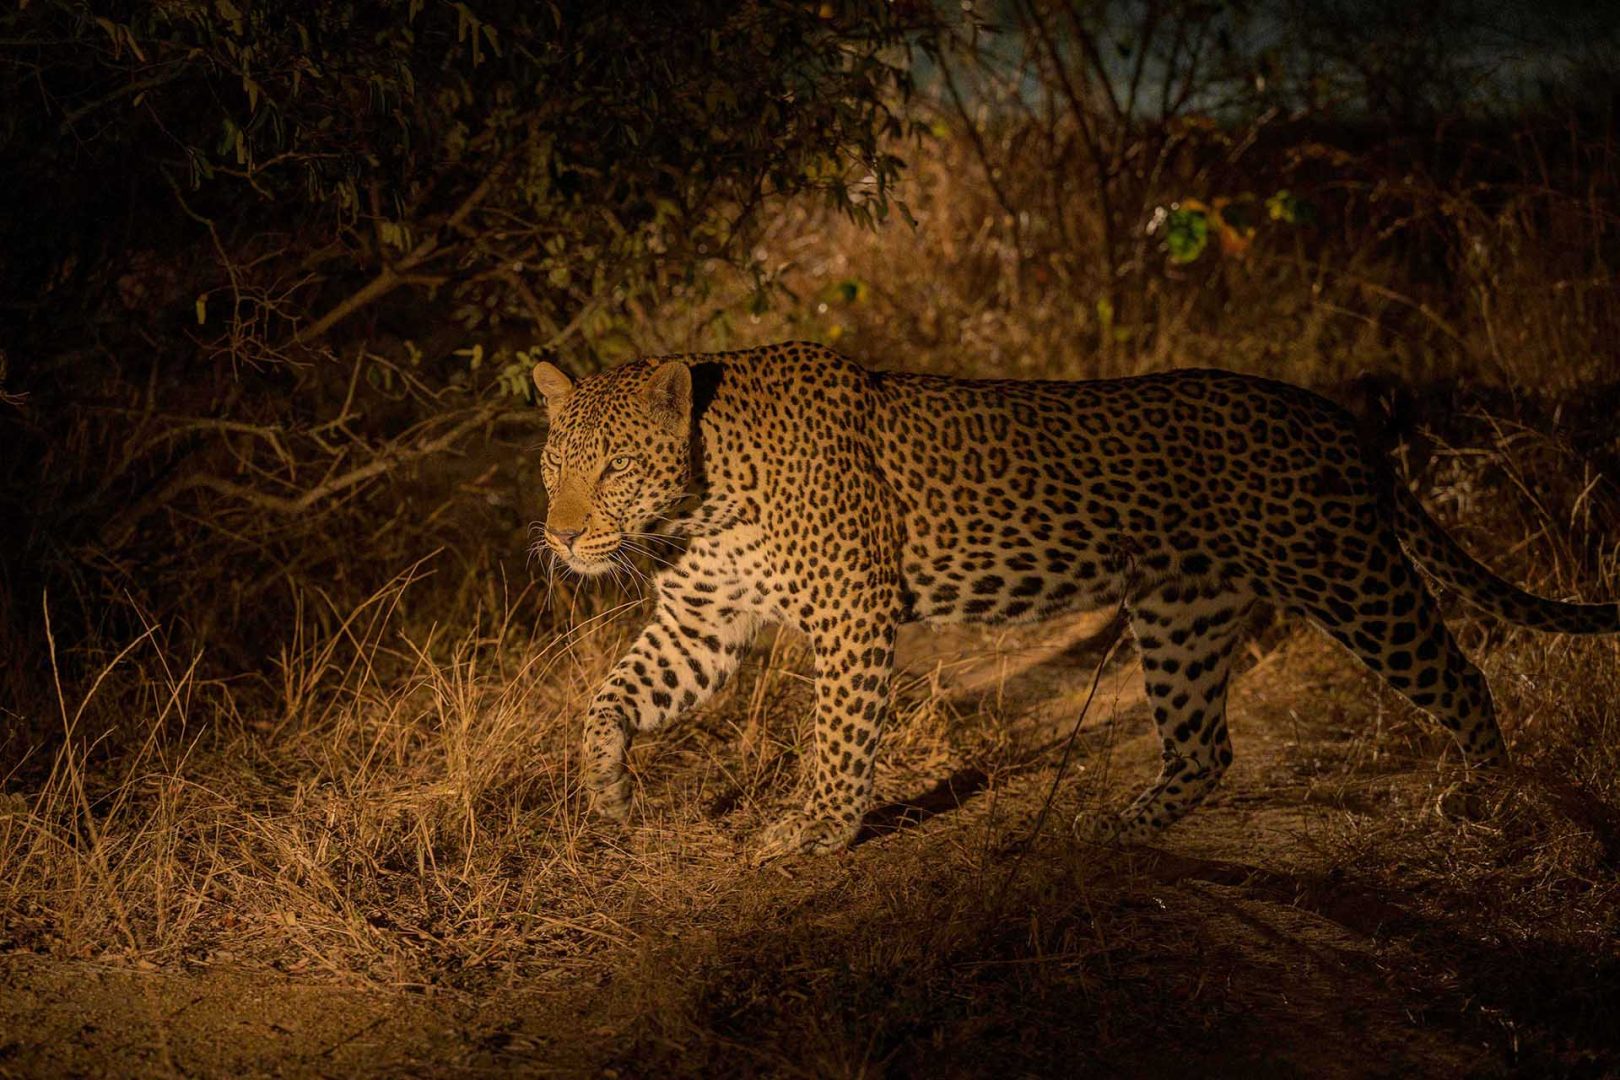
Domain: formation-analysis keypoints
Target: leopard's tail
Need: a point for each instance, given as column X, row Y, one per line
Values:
column 1440, row 555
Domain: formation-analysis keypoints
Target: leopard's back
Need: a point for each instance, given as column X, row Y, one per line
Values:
column 1020, row 499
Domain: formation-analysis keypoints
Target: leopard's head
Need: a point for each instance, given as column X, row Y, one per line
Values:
column 616, row 459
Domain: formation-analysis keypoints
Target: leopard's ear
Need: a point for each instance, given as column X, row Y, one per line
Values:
column 553, row 385
column 669, row 396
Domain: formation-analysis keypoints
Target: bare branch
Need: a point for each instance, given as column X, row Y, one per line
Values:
column 392, row 276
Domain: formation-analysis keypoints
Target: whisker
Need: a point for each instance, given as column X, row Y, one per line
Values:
column 625, row 579
column 635, row 575
column 660, row 560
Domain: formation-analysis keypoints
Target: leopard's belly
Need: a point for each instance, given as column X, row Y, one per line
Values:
column 979, row 571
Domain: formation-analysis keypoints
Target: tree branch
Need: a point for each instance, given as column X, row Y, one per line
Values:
column 117, row 531
column 392, row 276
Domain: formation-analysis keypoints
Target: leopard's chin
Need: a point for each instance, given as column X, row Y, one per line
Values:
column 589, row 566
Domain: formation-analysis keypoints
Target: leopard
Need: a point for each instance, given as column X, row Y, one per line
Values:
column 802, row 489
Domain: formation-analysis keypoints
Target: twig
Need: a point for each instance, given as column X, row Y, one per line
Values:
column 1063, row 763
column 976, row 140
column 137, row 87
column 219, row 247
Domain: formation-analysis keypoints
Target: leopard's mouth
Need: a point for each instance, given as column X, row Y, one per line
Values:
column 591, row 555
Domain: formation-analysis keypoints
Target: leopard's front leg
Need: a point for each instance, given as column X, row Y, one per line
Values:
column 681, row 658
column 854, row 664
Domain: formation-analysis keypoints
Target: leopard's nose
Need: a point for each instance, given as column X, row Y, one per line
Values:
column 564, row 537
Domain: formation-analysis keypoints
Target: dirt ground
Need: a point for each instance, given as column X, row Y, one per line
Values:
column 958, row 938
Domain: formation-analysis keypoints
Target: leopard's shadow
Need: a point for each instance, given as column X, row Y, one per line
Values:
column 948, row 794
column 1031, row 684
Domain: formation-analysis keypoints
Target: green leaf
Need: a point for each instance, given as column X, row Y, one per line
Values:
column 851, row 290
column 1186, row 234
column 1290, row 209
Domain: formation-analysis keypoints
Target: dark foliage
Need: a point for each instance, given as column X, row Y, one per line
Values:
column 258, row 259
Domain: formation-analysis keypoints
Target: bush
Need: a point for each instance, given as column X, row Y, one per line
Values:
column 262, row 262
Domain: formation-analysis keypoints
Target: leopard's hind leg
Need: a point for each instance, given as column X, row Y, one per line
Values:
column 1186, row 632
column 1379, row 609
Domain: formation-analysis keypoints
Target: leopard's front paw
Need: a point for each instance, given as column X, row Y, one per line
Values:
column 609, row 797
column 1472, row 800
column 799, row 833
column 1110, row 830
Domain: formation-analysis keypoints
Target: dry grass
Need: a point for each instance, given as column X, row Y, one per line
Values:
column 392, row 805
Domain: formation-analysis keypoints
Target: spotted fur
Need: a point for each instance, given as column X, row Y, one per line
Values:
column 844, row 503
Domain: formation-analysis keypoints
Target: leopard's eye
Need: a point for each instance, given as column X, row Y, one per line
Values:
column 620, row 463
